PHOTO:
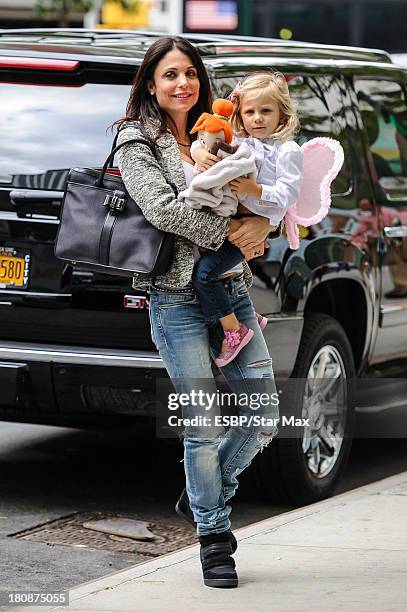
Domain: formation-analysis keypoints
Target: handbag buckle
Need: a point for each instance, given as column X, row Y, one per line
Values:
column 115, row 202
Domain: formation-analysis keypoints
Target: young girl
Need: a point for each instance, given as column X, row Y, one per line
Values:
column 265, row 119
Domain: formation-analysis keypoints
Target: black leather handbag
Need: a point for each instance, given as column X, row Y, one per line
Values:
column 103, row 229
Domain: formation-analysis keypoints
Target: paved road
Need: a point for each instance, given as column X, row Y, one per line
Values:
column 47, row 473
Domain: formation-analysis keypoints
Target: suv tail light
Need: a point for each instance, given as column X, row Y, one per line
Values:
column 34, row 63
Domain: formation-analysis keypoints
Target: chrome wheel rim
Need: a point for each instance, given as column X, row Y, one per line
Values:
column 324, row 405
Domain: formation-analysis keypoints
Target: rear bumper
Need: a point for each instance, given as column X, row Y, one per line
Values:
column 49, row 383
column 78, row 355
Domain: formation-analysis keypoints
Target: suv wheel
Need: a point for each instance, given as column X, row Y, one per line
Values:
column 306, row 468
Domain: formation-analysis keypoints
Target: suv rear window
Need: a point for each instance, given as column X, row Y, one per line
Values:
column 48, row 129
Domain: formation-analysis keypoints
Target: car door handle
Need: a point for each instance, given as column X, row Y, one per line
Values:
column 30, row 202
column 25, row 196
column 396, row 231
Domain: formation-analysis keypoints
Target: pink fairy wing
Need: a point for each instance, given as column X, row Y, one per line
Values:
column 323, row 159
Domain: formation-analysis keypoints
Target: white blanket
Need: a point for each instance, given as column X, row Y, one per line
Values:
column 211, row 187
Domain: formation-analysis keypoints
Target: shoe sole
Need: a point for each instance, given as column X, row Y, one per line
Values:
column 263, row 323
column 222, row 583
column 243, row 343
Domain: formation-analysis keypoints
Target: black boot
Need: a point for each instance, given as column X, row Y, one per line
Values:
column 218, row 566
column 183, row 508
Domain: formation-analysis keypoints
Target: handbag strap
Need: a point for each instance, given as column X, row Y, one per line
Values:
column 145, row 141
column 109, row 161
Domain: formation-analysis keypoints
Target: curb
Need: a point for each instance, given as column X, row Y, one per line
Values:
column 264, row 526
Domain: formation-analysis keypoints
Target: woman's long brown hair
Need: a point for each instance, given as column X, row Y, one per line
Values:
column 142, row 106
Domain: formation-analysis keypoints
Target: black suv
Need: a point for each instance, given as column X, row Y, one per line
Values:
column 75, row 346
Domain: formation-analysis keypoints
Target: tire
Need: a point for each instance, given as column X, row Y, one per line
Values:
column 284, row 471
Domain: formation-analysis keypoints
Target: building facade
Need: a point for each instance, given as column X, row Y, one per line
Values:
column 163, row 16
column 22, row 14
column 366, row 23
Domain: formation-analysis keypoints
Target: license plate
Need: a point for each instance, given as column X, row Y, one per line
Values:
column 14, row 268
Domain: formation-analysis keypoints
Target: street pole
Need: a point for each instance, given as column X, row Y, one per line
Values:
column 92, row 18
column 175, row 16
column 245, row 17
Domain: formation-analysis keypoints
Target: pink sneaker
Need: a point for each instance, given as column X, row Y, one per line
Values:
column 236, row 340
column 262, row 321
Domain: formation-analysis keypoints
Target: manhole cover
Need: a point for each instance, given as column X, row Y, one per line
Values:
column 69, row 531
column 125, row 528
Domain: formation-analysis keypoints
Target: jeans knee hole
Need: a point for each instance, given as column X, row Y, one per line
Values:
column 264, row 439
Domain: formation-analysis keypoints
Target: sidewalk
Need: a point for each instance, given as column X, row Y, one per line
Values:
column 346, row 553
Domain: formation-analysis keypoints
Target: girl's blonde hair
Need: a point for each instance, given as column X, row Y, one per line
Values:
column 275, row 84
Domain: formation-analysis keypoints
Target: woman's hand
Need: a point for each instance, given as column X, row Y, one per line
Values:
column 258, row 251
column 242, row 186
column 234, row 225
column 252, row 232
column 203, row 159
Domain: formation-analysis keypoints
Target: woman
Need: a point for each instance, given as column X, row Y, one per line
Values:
column 170, row 92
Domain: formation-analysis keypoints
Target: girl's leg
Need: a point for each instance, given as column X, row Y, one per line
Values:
column 212, row 294
column 181, row 335
column 214, row 297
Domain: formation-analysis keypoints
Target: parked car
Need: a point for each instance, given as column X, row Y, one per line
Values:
column 75, row 346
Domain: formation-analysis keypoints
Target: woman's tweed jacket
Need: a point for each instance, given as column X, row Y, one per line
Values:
column 145, row 179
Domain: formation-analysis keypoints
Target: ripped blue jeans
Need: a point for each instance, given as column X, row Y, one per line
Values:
column 213, row 457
